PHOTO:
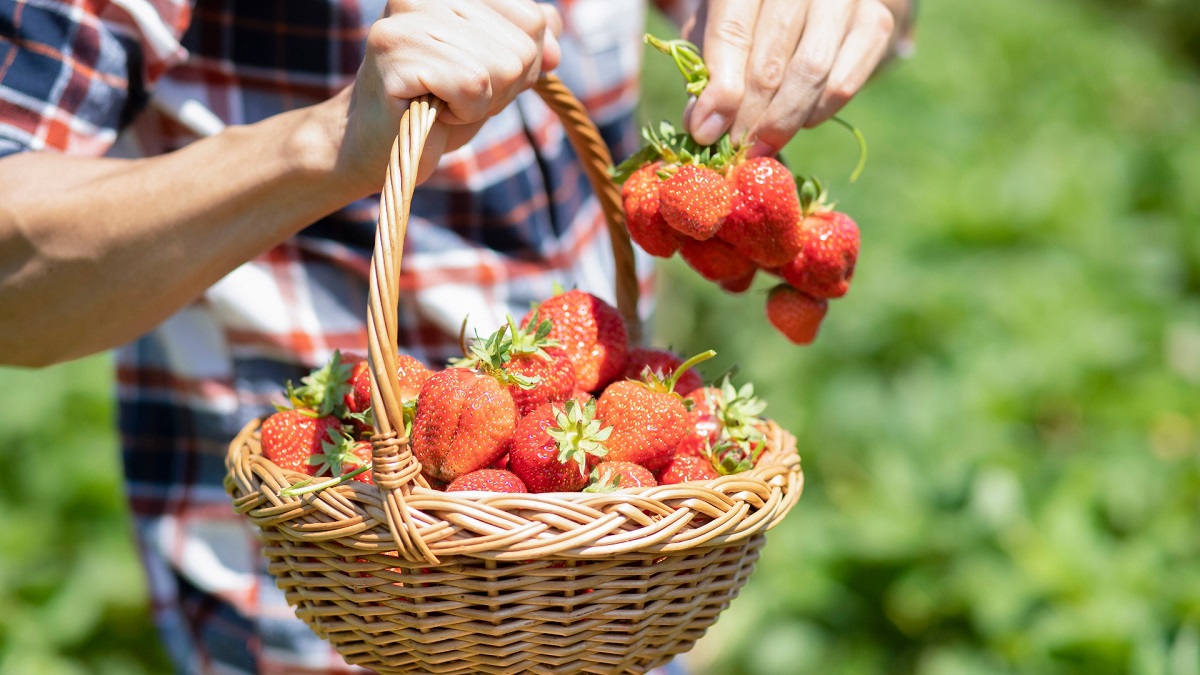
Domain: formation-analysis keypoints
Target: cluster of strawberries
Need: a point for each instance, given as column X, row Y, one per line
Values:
column 728, row 215
column 558, row 402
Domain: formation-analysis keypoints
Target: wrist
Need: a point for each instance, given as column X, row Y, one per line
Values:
column 316, row 150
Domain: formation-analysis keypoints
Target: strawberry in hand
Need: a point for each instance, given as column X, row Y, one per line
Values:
column 829, row 243
column 795, row 314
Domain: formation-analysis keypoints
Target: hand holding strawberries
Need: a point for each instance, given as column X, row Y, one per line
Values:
column 778, row 67
column 729, row 214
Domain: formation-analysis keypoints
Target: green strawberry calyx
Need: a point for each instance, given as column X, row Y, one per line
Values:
column 603, row 482
column 658, row 381
column 534, row 338
column 323, row 390
column 578, row 433
column 489, row 356
column 336, row 452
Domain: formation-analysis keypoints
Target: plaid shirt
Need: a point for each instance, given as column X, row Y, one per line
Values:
column 502, row 220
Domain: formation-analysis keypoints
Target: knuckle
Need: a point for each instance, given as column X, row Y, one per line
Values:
column 880, row 18
column 767, row 73
column 735, row 33
column 812, row 67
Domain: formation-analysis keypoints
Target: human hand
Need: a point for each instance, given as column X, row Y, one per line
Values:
column 777, row 66
column 473, row 55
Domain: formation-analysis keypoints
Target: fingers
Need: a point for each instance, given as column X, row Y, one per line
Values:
column 728, row 33
column 475, row 55
column 774, row 45
column 864, row 49
column 777, row 66
column 825, row 28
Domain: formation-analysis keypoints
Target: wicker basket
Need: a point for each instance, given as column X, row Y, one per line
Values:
column 403, row 578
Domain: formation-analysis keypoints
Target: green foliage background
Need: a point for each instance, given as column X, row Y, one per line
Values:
column 1000, row 424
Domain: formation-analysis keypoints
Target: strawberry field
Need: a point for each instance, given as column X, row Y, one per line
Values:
column 999, row 423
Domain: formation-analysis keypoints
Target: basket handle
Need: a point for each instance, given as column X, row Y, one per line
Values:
column 395, row 468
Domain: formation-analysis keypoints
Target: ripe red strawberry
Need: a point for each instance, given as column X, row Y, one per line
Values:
column 487, row 480
column 716, row 260
column 609, row 476
column 683, row 468
column 590, row 331
column 703, row 422
column 661, row 363
column 553, row 446
column 410, row 375
column 695, row 200
column 764, row 212
column 825, row 266
column 648, row 418
column 830, row 241
column 795, row 314
column 537, row 358
column 646, row 225
column 464, row 421
column 291, row 437
column 740, row 284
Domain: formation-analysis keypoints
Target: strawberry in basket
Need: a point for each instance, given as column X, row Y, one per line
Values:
column 647, row 416
column 466, row 414
column 590, row 331
column 554, row 446
column 310, row 435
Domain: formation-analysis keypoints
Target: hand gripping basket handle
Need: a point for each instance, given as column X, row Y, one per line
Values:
column 395, row 468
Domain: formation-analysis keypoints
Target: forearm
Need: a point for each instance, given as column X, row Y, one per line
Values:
column 94, row 252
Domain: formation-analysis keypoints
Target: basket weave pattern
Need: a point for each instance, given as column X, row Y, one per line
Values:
column 403, row 578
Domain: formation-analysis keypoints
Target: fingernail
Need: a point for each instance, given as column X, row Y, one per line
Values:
column 710, row 129
column 760, row 149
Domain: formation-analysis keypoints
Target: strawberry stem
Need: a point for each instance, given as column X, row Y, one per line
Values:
column 862, row 146
column 683, row 367
column 687, row 59
column 305, row 486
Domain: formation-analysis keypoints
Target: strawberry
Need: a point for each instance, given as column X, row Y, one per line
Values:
column 795, row 314
column 695, row 200
column 740, row 284
column 648, row 418
column 487, row 480
column 683, row 468
column 609, row 476
column 830, row 241
column 764, row 212
column 590, row 331
column 410, row 375
column 464, row 418
column 662, row 363
column 716, row 260
column 553, row 445
column 342, row 455
column 537, row 358
column 290, row 437
column 703, row 422
column 646, row 225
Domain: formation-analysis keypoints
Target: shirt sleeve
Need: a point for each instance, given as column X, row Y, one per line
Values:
column 73, row 74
